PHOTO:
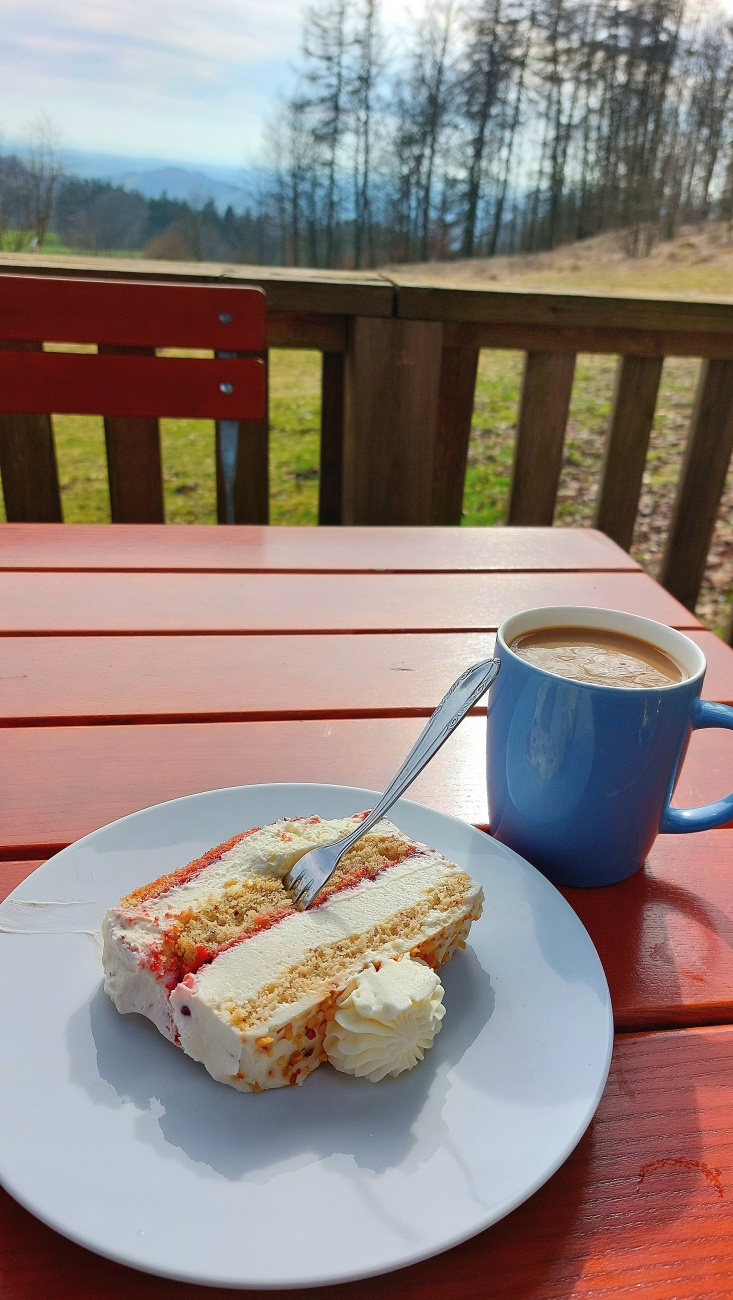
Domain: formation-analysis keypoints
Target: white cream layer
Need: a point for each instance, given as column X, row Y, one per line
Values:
column 241, row 974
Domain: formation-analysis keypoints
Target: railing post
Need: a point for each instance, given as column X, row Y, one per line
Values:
column 701, row 483
column 390, row 420
column 455, row 413
column 28, row 464
column 330, row 483
column 543, row 415
column 634, row 403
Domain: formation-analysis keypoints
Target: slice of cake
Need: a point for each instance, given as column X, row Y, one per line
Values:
column 216, row 956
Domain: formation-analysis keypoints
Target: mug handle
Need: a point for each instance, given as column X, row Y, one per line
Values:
column 708, row 815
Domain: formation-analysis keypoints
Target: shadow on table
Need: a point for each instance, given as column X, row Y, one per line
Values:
column 644, row 957
column 186, row 1114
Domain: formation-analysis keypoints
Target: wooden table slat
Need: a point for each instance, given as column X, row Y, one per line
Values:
column 92, row 774
column 665, row 936
column 299, row 550
column 159, row 678
column 12, row 873
column 180, row 603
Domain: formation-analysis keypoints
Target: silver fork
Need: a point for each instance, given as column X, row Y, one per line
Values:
column 307, row 878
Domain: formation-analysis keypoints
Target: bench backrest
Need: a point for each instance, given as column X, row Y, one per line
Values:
column 125, row 381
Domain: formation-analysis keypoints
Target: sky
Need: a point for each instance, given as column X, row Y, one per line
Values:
column 185, row 80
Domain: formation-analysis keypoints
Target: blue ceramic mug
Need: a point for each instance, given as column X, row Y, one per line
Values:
column 580, row 776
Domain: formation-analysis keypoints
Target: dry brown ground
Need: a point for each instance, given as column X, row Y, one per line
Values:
column 698, row 262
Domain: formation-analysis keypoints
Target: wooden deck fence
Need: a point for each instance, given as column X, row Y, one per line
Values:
column 398, row 377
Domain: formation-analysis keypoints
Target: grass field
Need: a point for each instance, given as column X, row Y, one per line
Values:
column 19, row 241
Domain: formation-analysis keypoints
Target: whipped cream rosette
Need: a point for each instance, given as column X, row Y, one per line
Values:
column 385, row 1020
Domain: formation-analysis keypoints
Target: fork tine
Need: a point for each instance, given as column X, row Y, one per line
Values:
column 299, row 884
column 307, row 877
column 295, row 875
column 296, row 897
column 299, row 880
column 303, row 872
column 305, row 893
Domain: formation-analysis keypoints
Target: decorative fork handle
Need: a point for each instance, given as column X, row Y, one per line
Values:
column 463, row 694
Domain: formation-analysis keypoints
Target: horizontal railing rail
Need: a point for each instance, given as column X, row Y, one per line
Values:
column 399, row 368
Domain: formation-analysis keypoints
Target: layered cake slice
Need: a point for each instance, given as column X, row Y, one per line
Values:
column 216, row 956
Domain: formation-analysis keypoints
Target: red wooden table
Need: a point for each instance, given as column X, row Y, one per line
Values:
column 141, row 663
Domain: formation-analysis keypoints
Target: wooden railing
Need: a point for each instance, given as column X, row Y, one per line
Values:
column 399, row 369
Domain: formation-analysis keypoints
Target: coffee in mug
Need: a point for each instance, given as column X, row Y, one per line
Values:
column 598, row 655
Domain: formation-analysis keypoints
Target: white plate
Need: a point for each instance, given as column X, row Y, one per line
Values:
column 115, row 1138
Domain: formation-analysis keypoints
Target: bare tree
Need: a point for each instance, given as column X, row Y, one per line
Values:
column 325, row 50
column 44, row 170
column 290, row 148
column 490, row 38
column 512, row 119
column 424, row 100
column 368, row 65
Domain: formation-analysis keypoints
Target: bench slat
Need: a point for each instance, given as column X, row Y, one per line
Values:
column 634, row 403
column 75, row 310
column 543, row 415
column 90, row 384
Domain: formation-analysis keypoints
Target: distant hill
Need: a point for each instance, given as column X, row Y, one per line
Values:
column 153, row 177
column 193, row 187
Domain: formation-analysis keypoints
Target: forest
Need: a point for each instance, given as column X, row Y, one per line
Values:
column 492, row 126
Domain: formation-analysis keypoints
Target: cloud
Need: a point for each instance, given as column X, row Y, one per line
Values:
column 185, row 78
column 146, row 73
column 187, row 32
